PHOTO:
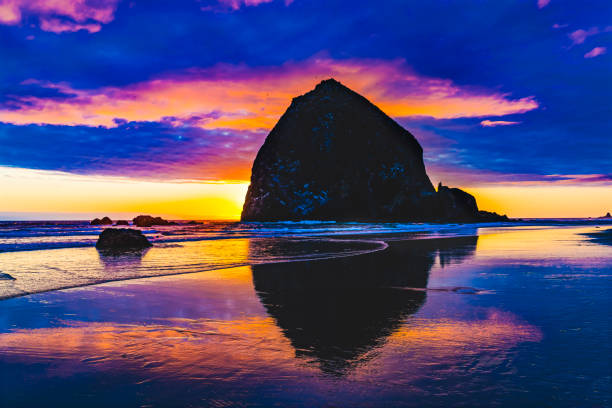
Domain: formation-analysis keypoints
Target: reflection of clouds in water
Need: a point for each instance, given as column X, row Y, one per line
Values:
column 177, row 348
column 210, row 337
column 457, row 348
column 202, row 334
column 198, row 354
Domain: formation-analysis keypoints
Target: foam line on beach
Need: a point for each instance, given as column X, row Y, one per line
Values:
column 187, row 268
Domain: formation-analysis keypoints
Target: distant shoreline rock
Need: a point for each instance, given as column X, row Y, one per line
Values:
column 333, row 155
column 608, row 215
column 122, row 239
column 122, row 222
column 149, row 221
column 103, row 221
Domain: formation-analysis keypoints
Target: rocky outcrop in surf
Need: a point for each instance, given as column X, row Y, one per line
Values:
column 103, row 221
column 333, row 155
column 148, row 221
column 122, row 239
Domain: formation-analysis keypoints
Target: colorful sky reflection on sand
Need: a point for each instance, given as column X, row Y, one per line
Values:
column 216, row 336
column 100, row 90
column 224, row 331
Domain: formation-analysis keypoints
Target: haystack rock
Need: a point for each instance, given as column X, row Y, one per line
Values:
column 333, row 155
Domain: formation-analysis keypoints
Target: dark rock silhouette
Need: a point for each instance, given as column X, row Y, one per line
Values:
column 333, row 155
column 456, row 205
column 6, row 276
column 122, row 239
column 103, row 221
column 608, row 215
column 148, row 221
column 122, row 222
column 336, row 310
column 488, row 216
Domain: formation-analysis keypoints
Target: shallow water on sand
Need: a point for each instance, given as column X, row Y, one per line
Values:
column 512, row 317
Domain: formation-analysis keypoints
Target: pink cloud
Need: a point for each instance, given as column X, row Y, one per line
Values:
column 240, row 97
column 595, row 52
column 237, row 4
column 543, row 3
column 58, row 26
column 580, row 36
column 60, row 15
column 492, row 123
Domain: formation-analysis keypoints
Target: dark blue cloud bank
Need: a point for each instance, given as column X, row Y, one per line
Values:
column 148, row 150
column 506, row 46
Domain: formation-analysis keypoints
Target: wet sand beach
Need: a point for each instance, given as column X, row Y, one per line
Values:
column 511, row 316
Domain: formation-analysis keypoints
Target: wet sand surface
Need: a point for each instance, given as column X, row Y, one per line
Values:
column 513, row 317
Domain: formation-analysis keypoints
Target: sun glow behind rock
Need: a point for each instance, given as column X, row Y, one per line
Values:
column 544, row 201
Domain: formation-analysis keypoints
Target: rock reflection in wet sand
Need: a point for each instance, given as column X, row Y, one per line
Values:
column 307, row 332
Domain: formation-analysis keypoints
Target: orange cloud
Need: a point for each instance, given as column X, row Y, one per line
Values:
column 240, row 97
column 76, row 14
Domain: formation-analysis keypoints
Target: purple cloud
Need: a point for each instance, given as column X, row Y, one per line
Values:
column 543, row 3
column 580, row 36
column 595, row 52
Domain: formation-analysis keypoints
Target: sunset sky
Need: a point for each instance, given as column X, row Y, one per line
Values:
column 111, row 107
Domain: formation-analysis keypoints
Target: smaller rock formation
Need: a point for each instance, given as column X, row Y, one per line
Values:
column 148, row 221
column 195, row 223
column 122, row 222
column 488, row 216
column 458, row 206
column 122, row 239
column 606, row 216
column 6, row 276
column 103, row 221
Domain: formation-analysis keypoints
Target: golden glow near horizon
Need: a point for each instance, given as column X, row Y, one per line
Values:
column 68, row 196
column 37, row 194
column 544, row 201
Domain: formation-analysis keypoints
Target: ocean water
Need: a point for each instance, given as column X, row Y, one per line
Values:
column 308, row 314
column 44, row 256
